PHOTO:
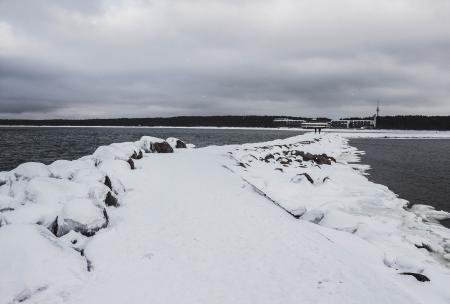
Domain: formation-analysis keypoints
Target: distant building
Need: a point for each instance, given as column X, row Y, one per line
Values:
column 340, row 124
column 315, row 125
column 288, row 122
column 323, row 123
column 356, row 123
column 300, row 123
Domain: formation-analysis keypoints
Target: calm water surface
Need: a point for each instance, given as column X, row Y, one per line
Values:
column 26, row 144
column 418, row 170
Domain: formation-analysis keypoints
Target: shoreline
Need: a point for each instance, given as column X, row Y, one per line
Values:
column 351, row 133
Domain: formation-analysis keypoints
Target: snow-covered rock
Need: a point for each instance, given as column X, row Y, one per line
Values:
column 162, row 147
column 66, row 169
column 146, row 143
column 83, row 216
column 36, row 266
column 176, row 143
column 31, row 170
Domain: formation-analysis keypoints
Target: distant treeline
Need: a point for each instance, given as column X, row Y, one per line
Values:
column 414, row 122
column 180, row 121
column 383, row 122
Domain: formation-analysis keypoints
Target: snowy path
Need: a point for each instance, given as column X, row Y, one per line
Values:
column 189, row 230
column 203, row 243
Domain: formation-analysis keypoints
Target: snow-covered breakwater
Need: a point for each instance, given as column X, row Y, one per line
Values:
column 288, row 221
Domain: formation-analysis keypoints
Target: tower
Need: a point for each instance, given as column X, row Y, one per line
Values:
column 376, row 115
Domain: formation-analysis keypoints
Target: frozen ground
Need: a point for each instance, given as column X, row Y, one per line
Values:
column 274, row 222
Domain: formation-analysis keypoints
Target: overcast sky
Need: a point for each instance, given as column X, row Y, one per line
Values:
column 145, row 58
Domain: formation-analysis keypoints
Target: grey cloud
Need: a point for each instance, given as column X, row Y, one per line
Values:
column 152, row 58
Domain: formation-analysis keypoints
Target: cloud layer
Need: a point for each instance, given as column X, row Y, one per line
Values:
column 135, row 58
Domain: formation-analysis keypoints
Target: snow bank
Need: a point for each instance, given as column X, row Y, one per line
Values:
column 287, row 221
column 34, row 263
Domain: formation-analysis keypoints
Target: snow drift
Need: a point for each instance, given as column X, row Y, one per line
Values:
column 287, row 221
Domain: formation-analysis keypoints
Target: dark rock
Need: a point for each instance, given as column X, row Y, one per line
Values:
column 308, row 157
column 111, row 200
column 162, row 147
column 140, row 155
column 268, row 158
column 419, row 277
column 180, row 145
column 279, row 169
column 6, row 209
column 241, row 165
column 308, row 177
column 105, row 214
column 108, row 182
column 54, row 227
column 89, row 265
column 134, row 155
column 297, row 153
column 325, row 179
column 320, row 159
column 131, row 163
column 424, row 246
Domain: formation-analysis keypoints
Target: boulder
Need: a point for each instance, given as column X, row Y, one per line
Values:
column 146, row 143
column 31, row 170
column 176, row 143
column 131, row 163
column 320, row 159
column 111, row 200
column 418, row 276
column 268, row 158
column 108, row 182
column 181, row 144
column 136, row 155
column 162, row 147
column 298, row 178
column 83, row 216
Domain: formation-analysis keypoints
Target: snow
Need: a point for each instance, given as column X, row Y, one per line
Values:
column 31, row 170
column 35, row 264
column 81, row 215
column 228, row 224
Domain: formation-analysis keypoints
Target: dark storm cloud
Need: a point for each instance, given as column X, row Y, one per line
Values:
column 152, row 58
